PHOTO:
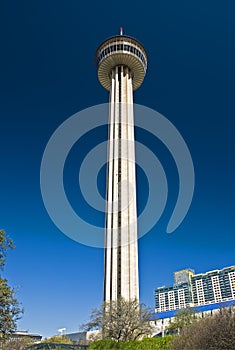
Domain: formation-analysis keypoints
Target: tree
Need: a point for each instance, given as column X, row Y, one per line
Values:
column 58, row 339
column 210, row 332
column 17, row 344
column 9, row 310
column 5, row 244
column 121, row 320
column 182, row 319
column 9, row 307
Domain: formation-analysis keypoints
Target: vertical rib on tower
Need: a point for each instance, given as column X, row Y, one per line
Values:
column 122, row 64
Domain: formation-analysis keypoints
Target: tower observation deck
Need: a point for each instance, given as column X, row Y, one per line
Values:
column 121, row 64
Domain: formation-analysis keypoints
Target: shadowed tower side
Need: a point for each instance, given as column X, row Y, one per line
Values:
column 121, row 64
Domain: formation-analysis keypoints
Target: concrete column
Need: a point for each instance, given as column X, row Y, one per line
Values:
column 121, row 252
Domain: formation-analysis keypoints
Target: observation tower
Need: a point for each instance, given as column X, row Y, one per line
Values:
column 121, row 64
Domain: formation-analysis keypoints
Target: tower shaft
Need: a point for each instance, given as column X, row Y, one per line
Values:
column 121, row 251
column 121, row 66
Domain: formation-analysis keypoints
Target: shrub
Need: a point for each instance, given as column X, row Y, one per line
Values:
column 210, row 333
column 145, row 344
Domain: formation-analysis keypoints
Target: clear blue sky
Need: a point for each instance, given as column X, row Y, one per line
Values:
column 47, row 75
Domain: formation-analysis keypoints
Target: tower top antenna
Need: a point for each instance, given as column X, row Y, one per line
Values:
column 121, row 31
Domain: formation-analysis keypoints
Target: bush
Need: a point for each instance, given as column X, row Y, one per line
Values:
column 106, row 344
column 210, row 333
column 145, row 344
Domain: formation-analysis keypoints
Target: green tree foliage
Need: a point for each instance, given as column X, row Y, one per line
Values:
column 145, row 344
column 182, row 319
column 58, row 339
column 105, row 344
column 155, row 343
column 9, row 307
column 5, row 244
column 9, row 310
column 121, row 320
column 210, row 333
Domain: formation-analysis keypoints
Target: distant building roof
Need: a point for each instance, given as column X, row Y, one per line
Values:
column 202, row 308
column 19, row 334
column 76, row 337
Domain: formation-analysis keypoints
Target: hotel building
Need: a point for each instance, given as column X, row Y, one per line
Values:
column 192, row 290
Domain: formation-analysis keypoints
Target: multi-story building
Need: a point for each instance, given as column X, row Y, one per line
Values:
column 213, row 286
column 175, row 297
column 190, row 289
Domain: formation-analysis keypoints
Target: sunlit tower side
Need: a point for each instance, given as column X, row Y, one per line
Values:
column 121, row 64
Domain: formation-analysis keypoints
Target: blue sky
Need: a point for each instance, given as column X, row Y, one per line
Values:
column 47, row 75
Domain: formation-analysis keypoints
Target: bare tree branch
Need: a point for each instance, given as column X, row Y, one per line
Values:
column 121, row 320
